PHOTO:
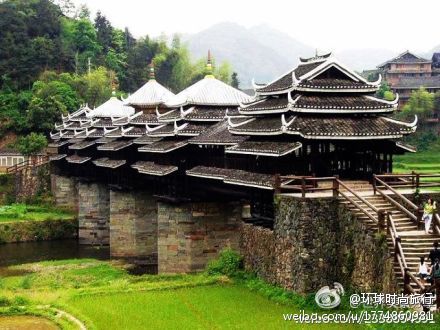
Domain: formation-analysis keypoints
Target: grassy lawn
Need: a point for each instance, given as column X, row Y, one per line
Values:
column 104, row 296
column 225, row 306
column 421, row 162
column 22, row 212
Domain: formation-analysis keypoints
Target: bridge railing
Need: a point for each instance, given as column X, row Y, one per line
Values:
column 30, row 162
column 411, row 180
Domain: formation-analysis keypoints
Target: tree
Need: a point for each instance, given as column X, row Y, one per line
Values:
column 421, row 103
column 223, row 72
column 31, row 144
column 234, row 80
column 437, row 105
column 29, row 40
column 104, row 32
column 384, row 88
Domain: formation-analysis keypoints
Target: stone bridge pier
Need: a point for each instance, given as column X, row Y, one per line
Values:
column 93, row 213
column 133, row 226
column 177, row 237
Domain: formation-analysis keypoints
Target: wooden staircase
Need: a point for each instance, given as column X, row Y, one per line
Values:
column 383, row 208
column 415, row 243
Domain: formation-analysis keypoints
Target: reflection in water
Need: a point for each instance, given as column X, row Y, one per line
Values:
column 20, row 253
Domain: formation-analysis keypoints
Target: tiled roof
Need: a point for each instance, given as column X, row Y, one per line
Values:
column 9, row 152
column 351, row 127
column 150, row 94
column 110, row 163
column 206, row 114
column 415, row 83
column 193, row 129
column 330, row 127
column 121, row 121
column 57, row 144
column 234, row 176
column 75, row 140
column 98, row 132
column 145, row 118
column 263, row 126
column 105, row 139
column 405, row 57
column 135, row 131
column 116, row 145
column 115, row 133
column 217, row 134
column 286, row 82
column 267, row 104
column 78, row 117
column 72, row 125
column 111, row 108
column 103, row 122
column 152, row 168
column 338, row 102
column 82, row 145
column 56, row 157
column 166, row 130
column 170, row 115
column 75, row 159
column 264, row 148
column 145, row 140
column 333, row 83
column 163, row 146
column 209, row 91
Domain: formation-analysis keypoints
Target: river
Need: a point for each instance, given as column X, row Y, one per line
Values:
column 20, row 253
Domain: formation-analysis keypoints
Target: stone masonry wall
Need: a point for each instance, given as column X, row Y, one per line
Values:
column 65, row 191
column 93, row 213
column 315, row 242
column 191, row 234
column 133, row 226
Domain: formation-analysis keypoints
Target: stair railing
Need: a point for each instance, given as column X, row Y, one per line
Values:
column 399, row 256
column 414, row 212
column 436, row 223
column 379, row 219
column 41, row 160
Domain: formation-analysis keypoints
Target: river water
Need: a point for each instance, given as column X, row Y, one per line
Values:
column 20, row 253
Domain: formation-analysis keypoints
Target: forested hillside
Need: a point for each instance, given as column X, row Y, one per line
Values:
column 54, row 57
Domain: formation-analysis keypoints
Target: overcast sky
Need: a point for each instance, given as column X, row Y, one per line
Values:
column 325, row 24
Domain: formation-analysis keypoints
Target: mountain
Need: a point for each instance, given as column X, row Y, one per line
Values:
column 264, row 53
column 260, row 52
column 364, row 59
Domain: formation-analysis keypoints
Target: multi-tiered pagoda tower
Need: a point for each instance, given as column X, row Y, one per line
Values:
column 321, row 119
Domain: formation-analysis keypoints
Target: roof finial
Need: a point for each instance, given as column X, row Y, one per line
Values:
column 209, row 71
column 316, row 52
column 151, row 75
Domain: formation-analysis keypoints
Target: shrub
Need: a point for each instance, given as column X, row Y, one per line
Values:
column 20, row 301
column 228, row 263
column 4, row 301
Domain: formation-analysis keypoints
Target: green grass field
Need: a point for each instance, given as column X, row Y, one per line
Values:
column 226, row 306
column 22, row 212
column 420, row 162
column 104, row 296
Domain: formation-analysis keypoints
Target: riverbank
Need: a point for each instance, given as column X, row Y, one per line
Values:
column 103, row 295
column 28, row 231
column 25, row 223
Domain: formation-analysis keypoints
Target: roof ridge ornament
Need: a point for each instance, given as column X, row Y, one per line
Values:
column 183, row 113
column 178, row 128
column 412, row 125
column 209, row 69
column 149, row 129
column 151, row 74
column 284, row 123
column 231, row 124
